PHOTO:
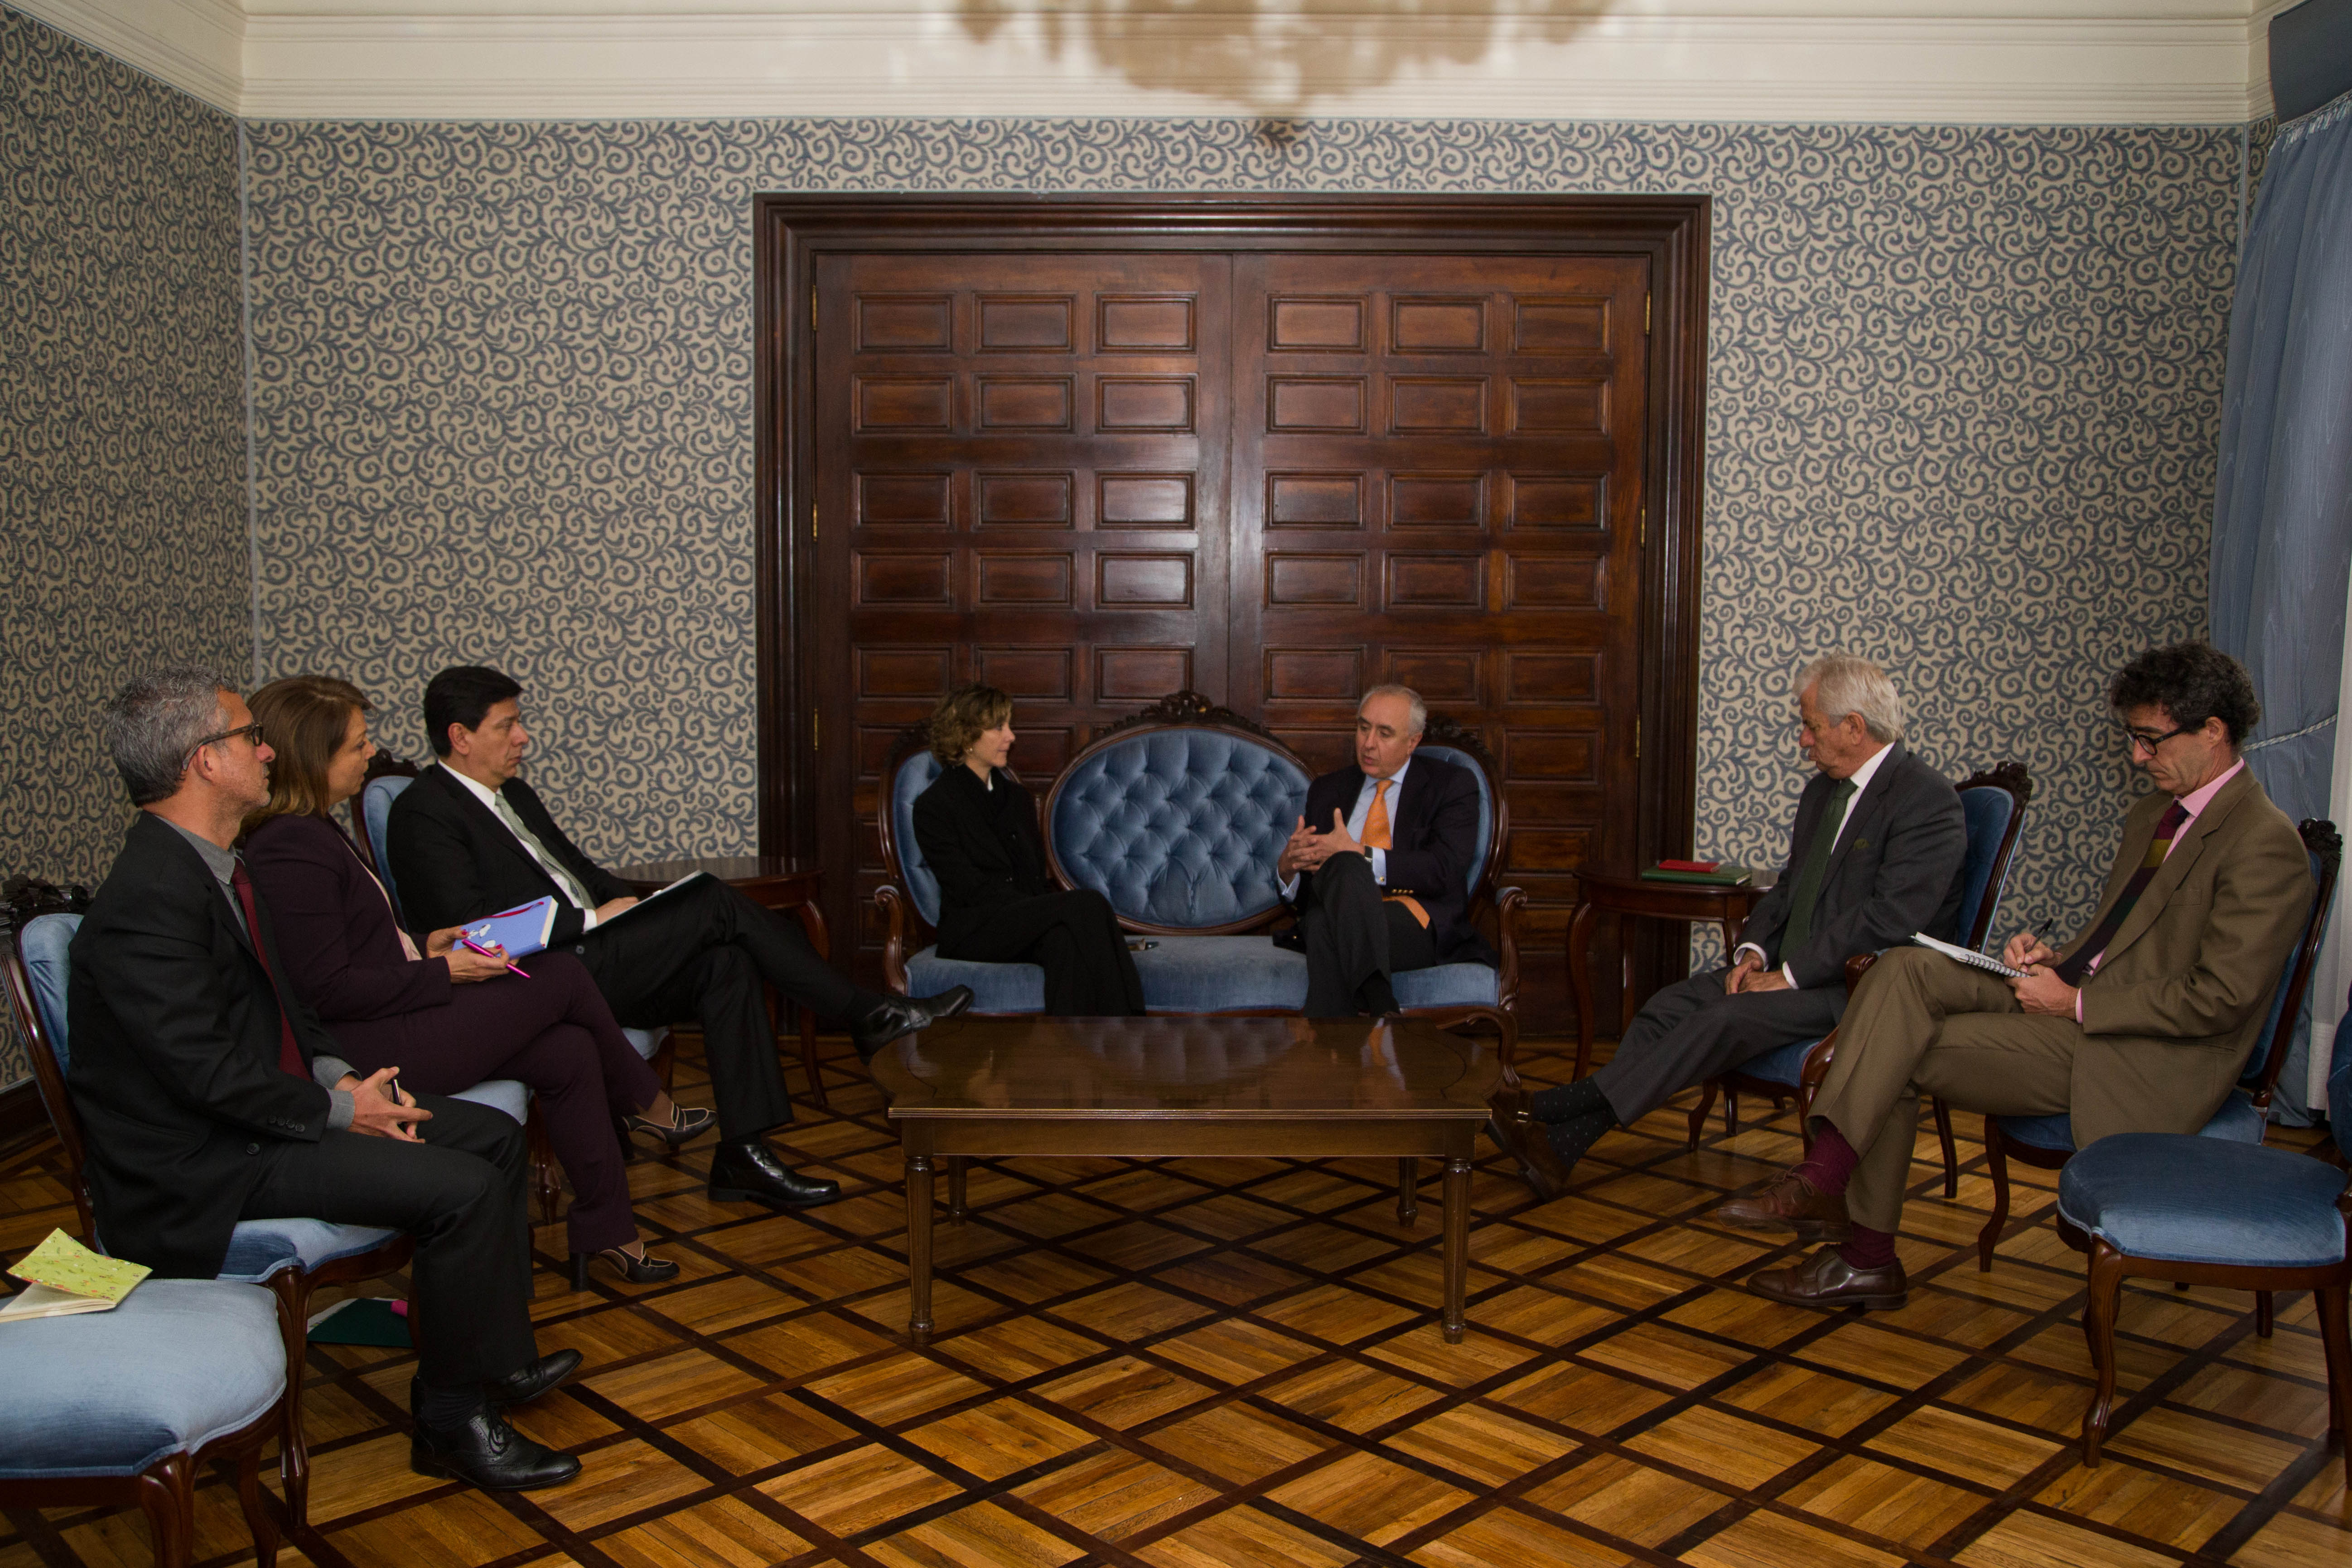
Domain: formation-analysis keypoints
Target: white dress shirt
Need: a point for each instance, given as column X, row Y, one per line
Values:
column 559, row 875
column 1860, row 778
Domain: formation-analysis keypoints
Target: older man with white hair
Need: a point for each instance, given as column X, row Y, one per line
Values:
column 1874, row 856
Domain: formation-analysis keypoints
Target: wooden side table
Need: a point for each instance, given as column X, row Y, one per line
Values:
column 773, row 882
column 1629, row 896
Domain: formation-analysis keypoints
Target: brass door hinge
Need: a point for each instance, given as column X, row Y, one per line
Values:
column 816, row 733
column 813, row 307
column 812, row 520
column 1646, row 314
column 1644, row 540
column 1637, row 737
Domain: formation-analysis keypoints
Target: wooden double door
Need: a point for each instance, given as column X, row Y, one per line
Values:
column 1095, row 476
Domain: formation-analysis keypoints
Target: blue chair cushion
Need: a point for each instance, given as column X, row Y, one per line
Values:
column 499, row 1094
column 1468, row 764
column 914, row 776
column 1178, row 827
column 2236, row 1122
column 1786, row 1065
column 47, row 944
column 2177, row 1199
column 1987, row 812
column 258, row 1248
column 995, row 987
column 375, row 817
column 179, row 1364
column 1447, row 985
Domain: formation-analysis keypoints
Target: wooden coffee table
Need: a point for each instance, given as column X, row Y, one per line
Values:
column 1187, row 1088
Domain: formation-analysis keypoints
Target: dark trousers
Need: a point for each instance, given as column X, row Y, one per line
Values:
column 460, row 1194
column 1074, row 938
column 1353, row 933
column 1691, row 1031
column 553, row 1032
column 702, row 953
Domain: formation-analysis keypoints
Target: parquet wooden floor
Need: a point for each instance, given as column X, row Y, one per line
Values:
column 1211, row 1364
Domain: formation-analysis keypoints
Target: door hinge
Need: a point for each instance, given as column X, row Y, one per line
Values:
column 816, row 733
column 812, row 309
column 1644, row 540
column 812, row 520
column 1637, row 737
column 1646, row 314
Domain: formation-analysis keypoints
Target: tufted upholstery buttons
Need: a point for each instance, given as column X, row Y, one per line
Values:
column 1178, row 827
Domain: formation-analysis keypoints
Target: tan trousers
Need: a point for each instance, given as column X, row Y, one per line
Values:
column 1921, row 1023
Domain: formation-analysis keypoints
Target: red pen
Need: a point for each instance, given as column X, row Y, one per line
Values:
column 467, row 941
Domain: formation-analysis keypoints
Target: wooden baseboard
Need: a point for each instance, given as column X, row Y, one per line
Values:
column 23, row 1118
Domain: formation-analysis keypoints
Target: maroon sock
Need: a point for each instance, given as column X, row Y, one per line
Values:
column 1868, row 1248
column 1831, row 1164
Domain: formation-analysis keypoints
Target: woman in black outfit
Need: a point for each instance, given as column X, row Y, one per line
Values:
column 978, row 829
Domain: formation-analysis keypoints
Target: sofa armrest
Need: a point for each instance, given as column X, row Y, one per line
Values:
column 1856, row 967
column 1510, row 909
column 892, row 906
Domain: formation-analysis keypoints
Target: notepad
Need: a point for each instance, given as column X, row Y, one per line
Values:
column 649, row 898
column 1974, row 960
column 519, row 932
column 1717, row 873
column 62, row 1277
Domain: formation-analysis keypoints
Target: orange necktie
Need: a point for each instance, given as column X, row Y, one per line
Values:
column 1376, row 836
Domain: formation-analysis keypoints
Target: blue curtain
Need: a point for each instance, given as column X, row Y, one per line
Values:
column 2283, row 510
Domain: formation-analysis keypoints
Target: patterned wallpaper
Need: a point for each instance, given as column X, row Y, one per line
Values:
column 1964, row 390
column 122, row 505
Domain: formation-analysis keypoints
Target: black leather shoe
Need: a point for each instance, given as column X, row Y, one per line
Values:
column 528, row 1381
column 747, row 1170
column 489, row 1454
column 903, row 1016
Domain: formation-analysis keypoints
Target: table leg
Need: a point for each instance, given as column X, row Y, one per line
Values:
column 918, row 1248
column 957, row 1164
column 1408, row 1190
column 1580, row 982
column 1457, row 1243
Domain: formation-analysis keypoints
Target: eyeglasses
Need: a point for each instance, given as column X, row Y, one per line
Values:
column 2137, row 742
column 250, row 731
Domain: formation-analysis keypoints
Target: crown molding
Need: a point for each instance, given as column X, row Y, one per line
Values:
column 196, row 45
column 1869, row 61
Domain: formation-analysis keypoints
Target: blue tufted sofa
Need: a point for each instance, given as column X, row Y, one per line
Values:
column 1176, row 816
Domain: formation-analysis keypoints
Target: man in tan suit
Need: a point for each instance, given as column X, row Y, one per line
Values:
column 2142, row 1025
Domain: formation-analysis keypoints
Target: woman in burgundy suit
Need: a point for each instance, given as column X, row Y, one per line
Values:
column 447, row 1017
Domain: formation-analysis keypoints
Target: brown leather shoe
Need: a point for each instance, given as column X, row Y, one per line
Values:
column 1830, row 1282
column 1524, row 1140
column 1789, row 1205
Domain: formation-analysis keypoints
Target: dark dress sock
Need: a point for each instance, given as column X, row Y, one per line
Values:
column 1567, row 1100
column 1571, row 1139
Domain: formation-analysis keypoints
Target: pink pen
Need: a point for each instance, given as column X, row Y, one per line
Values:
column 469, row 942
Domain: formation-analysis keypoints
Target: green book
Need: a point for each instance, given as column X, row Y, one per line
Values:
column 1729, row 874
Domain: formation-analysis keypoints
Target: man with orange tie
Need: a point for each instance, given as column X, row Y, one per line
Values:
column 1378, row 868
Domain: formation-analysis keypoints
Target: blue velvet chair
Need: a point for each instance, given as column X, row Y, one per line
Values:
column 291, row 1258
column 2047, row 1142
column 1993, row 805
column 1177, row 817
column 2207, row 1211
column 128, row 1406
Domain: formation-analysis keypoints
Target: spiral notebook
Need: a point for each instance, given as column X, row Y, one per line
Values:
column 1969, row 956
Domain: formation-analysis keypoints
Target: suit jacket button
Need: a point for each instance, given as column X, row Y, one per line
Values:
column 253, row 1148
column 579, row 950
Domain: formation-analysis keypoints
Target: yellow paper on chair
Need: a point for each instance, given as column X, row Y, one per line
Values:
column 63, row 1277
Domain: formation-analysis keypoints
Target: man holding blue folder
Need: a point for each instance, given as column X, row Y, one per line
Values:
column 471, row 838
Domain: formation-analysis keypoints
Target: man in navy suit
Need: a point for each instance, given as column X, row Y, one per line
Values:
column 1378, row 868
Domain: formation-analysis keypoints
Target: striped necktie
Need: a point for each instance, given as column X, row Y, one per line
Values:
column 2072, row 970
column 554, row 868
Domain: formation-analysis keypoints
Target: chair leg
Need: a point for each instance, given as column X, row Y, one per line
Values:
column 2099, row 1323
column 167, row 1495
column 2331, row 1301
column 1407, row 1189
column 257, row 1518
column 2264, row 1313
column 1951, row 1151
column 957, row 1166
column 1730, row 1112
column 545, row 1183
column 292, row 1288
column 1699, row 1114
column 1998, row 1163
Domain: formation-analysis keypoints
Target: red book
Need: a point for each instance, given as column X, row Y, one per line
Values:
column 1688, row 865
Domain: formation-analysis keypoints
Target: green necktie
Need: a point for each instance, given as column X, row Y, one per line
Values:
column 1815, row 869
column 538, row 852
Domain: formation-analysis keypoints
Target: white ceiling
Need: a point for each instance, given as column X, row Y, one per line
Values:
column 1902, row 61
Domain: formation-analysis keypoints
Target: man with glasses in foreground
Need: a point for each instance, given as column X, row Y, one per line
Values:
column 211, row 1093
column 2142, row 1024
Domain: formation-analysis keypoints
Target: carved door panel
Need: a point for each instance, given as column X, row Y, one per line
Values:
column 1019, row 479
column 1437, row 479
